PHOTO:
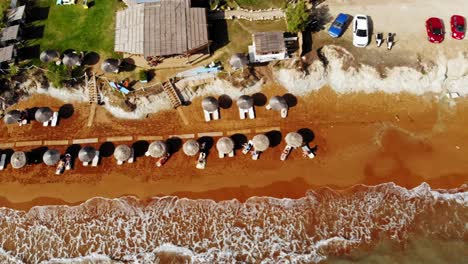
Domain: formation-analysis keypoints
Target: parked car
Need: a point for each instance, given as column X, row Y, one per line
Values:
column 337, row 27
column 435, row 30
column 458, row 25
column 360, row 31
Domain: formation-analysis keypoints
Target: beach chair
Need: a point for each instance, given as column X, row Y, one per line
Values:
column 54, row 120
column 251, row 113
column 23, row 122
column 96, row 159
column 132, row 157
column 147, row 153
column 284, row 113
column 231, row 154
column 215, row 115
column 119, row 162
column 68, row 162
column 220, row 155
column 268, row 107
column 207, row 116
column 85, row 163
column 242, row 113
column 45, row 123
column 2, row 161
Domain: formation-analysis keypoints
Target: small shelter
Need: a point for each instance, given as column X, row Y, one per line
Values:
column 225, row 146
column 278, row 103
column 267, row 46
column 7, row 54
column 122, row 153
column 294, row 139
column 191, row 147
column 71, row 59
column 87, row 154
column 238, row 61
column 10, row 35
column 157, row 149
column 18, row 160
column 43, row 114
column 246, row 107
column 110, row 65
column 49, row 55
column 210, row 108
column 12, row 117
column 16, row 15
column 51, row 157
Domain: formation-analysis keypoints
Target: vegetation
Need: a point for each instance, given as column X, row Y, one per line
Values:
column 3, row 7
column 261, row 4
column 298, row 17
column 57, row 74
column 74, row 27
column 143, row 76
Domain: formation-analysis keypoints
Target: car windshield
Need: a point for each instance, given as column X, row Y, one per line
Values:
column 361, row 33
column 459, row 28
column 337, row 24
column 437, row 31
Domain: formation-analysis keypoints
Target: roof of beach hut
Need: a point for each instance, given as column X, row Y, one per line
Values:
column 51, row 157
column 210, row 104
column 260, row 142
column 71, row 59
column 294, row 139
column 191, row 147
column 49, row 55
column 43, row 114
column 18, row 159
column 122, row 152
column 12, row 117
column 238, row 61
column 110, row 65
column 278, row 103
column 157, row 149
column 87, row 154
column 225, row 145
column 245, row 102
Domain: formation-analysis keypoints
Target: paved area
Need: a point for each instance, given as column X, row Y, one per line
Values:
column 247, row 14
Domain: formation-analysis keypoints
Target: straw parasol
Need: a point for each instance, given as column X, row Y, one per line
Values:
column 238, row 61
column 49, row 55
column 225, row 145
column 210, row 104
column 110, row 65
column 87, row 154
column 157, row 149
column 43, row 114
column 278, row 103
column 71, row 59
column 18, row 159
column 12, row 117
column 191, row 147
column 294, row 139
column 245, row 102
column 51, row 157
column 122, row 152
column 260, row 142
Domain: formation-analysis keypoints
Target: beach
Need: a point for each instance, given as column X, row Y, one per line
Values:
column 390, row 170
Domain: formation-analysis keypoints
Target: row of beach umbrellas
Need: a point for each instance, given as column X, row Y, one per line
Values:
column 71, row 59
column 277, row 103
column 42, row 114
column 157, row 149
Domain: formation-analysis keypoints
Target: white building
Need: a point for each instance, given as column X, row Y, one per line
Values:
column 267, row 46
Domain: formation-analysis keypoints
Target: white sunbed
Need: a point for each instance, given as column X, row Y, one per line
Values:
column 85, row 163
column 284, row 113
column 2, row 161
column 119, row 162
column 220, row 155
column 215, row 114
column 251, row 113
column 54, row 120
column 147, row 153
column 268, row 107
column 132, row 157
column 242, row 113
column 96, row 159
column 45, row 123
column 23, row 122
column 207, row 116
column 231, row 154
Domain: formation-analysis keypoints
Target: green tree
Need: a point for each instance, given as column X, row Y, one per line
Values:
column 298, row 17
column 57, row 74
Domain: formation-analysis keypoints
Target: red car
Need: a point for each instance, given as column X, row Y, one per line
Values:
column 457, row 24
column 435, row 29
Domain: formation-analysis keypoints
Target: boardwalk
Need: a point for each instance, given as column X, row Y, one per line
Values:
column 247, row 14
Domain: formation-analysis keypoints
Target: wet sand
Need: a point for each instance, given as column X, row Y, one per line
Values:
column 360, row 138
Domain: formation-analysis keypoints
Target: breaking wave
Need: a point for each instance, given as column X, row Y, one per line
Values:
column 322, row 224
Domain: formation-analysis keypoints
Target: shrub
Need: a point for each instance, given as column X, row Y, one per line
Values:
column 297, row 17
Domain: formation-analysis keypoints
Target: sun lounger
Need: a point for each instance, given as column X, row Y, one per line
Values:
column 54, row 120
column 215, row 115
column 207, row 116
column 96, row 159
column 45, row 123
column 251, row 113
column 85, row 163
column 119, row 162
column 132, row 157
column 147, row 153
column 268, row 107
column 242, row 113
column 220, row 155
column 284, row 113
column 2, row 161
column 231, row 154
column 23, row 122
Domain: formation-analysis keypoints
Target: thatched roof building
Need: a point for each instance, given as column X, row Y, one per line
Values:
column 210, row 104
column 7, row 54
column 10, row 33
column 43, row 114
column 157, row 149
column 16, row 15
column 51, row 157
column 191, row 147
column 294, row 139
column 261, row 142
column 87, row 154
column 18, row 159
column 122, row 153
column 225, row 145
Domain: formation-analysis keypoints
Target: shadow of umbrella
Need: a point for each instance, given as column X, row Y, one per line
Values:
column 66, row 111
column 239, row 140
column 91, row 58
column 291, row 100
column 174, row 144
column 35, row 155
column 106, row 149
column 307, row 135
column 259, row 99
column 275, row 137
column 225, row 101
column 140, row 147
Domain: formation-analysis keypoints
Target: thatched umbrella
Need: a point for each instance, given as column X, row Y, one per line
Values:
column 210, row 104
column 110, row 65
column 71, row 59
column 87, row 154
column 191, row 147
column 18, row 159
column 245, row 102
column 43, row 114
column 122, row 152
column 49, row 55
column 225, row 145
column 238, row 61
column 260, row 142
column 12, row 117
column 278, row 103
column 157, row 149
column 294, row 139
column 51, row 157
